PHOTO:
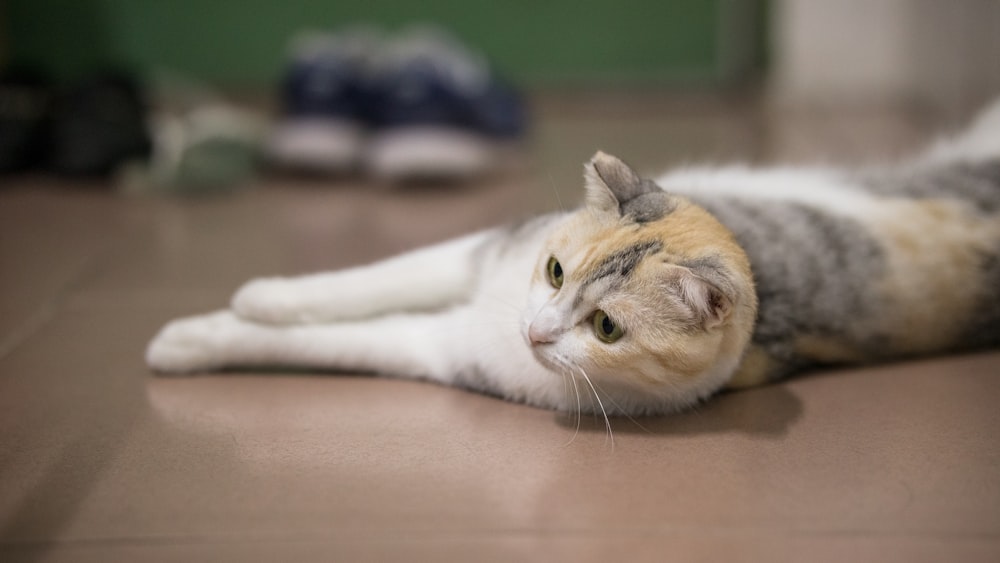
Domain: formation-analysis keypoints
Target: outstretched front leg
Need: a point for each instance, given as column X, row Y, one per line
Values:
column 427, row 278
column 413, row 346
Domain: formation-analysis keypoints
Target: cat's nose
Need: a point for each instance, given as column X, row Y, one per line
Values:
column 538, row 334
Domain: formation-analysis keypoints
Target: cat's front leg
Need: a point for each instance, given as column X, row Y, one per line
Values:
column 426, row 278
column 413, row 346
column 197, row 344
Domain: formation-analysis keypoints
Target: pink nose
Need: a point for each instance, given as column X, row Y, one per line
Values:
column 540, row 335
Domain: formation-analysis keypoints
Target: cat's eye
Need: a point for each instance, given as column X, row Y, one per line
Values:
column 606, row 329
column 555, row 271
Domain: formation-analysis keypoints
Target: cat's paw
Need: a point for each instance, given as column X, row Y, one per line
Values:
column 192, row 344
column 271, row 301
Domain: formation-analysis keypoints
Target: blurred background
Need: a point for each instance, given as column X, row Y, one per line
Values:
column 243, row 43
column 817, row 50
column 226, row 85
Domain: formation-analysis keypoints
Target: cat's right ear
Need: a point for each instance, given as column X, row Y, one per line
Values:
column 610, row 184
column 702, row 291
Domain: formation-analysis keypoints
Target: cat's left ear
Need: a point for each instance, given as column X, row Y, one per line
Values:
column 611, row 185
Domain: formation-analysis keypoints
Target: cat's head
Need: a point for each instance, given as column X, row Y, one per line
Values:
column 643, row 291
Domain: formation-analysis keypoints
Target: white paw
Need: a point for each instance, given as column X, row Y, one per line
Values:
column 271, row 301
column 192, row 344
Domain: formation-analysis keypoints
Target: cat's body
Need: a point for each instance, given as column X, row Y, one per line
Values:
column 645, row 300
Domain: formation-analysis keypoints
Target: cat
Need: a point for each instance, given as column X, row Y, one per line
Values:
column 653, row 295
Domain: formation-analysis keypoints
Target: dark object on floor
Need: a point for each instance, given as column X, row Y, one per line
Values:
column 25, row 105
column 99, row 124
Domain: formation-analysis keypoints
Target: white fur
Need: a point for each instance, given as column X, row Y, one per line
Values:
column 980, row 141
column 479, row 336
column 827, row 189
column 426, row 278
column 819, row 188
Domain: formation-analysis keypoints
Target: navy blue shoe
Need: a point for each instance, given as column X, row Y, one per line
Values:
column 325, row 102
column 438, row 110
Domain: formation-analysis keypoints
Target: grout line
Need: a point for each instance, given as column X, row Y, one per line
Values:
column 417, row 535
column 45, row 312
column 27, row 329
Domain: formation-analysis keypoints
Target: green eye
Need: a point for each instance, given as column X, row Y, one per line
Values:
column 605, row 328
column 555, row 272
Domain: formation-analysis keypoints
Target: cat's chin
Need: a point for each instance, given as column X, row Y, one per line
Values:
column 549, row 363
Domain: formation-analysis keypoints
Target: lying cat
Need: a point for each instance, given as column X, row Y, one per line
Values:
column 653, row 295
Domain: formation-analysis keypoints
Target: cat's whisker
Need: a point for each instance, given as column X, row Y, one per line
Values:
column 622, row 411
column 604, row 412
column 505, row 303
column 488, row 323
column 555, row 191
column 567, row 380
column 579, row 403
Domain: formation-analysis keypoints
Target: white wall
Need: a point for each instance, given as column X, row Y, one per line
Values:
column 943, row 53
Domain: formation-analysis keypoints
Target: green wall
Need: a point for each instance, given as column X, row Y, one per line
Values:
column 242, row 42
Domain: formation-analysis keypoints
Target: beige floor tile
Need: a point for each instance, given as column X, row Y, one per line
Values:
column 639, row 547
column 52, row 240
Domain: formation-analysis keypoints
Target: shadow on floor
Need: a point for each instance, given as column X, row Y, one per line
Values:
column 767, row 411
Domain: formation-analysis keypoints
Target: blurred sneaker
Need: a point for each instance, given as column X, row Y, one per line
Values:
column 323, row 95
column 438, row 110
column 99, row 125
column 25, row 106
column 202, row 143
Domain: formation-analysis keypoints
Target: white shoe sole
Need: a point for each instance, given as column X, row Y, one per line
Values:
column 428, row 153
column 322, row 145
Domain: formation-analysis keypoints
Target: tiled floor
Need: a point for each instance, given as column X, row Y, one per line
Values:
column 101, row 461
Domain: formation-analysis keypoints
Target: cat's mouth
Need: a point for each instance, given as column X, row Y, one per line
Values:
column 543, row 355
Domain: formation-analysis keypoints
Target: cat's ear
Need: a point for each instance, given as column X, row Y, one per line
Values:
column 707, row 299
column 610, row 184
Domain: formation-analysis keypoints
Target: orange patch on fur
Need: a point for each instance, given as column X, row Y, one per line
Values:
column 934, row 249
column 757, row 368
column 689, row 232
column 826, row 350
